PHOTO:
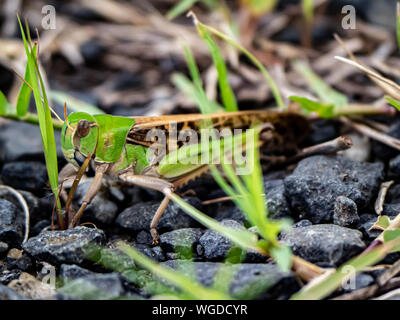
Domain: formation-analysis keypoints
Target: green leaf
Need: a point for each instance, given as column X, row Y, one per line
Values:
column 382, row 223
column 324, row 91
column 395, row 103
column 323, row 110
column 3, row 104
column 197, row 95
column 24, row 96
column 398, row 24
column 251, row 57
column 390, row 235
column 308, row 10
column 43, row 111
column 283, row 257
column 181, row 7
column 227, row 95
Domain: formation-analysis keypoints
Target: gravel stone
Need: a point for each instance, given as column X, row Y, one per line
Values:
column 9, row 294
column 14, row 144
column 67, row 246
column 25, row 175
column 100, row 210
column 72, row 272
column 276, row 202
column 247, row 280
column 345, row 212
column 95, row 286
column 325, row 244
column 215, row 246
column 317, row 181
column 11, row 223
column 139, row 216
column 182, row 241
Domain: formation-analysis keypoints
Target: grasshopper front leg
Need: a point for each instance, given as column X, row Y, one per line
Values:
column 90, row 193
column 155, row 184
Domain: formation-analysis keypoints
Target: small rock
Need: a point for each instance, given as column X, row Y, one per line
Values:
column 322, row 131
column 382, row 151
column 8, row 294
column 11, row 223
column 325, row 244
column 17, row 259
column 139, row 216
column 14, row 144
column 72, row 272
column 366, row 222
column 230, row 213
column 29, row 287
column 144, row 237
column 394, row 167
column 302, row 223
column 25, row 175
column 345, row 212
column 67, row 246
column 95, row 286
column 247, row 281
column 317, row 181
column 115, row 259
column 3, row 247
column 100, row 210
column 182, row 241
column 362, row 280
column 277, row 204
column 391, row 210
column 215, row 246
column 8, row 275
column 156, row 253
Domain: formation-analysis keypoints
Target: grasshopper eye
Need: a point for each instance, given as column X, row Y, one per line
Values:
column 83, row 128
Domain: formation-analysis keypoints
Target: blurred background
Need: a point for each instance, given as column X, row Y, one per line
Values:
column 121, row 56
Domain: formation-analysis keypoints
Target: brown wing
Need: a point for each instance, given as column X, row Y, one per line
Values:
column 289, row 128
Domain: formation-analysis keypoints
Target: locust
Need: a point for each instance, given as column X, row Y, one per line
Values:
column 118, row 147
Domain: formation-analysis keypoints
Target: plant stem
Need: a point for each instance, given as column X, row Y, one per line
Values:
column 31, row 118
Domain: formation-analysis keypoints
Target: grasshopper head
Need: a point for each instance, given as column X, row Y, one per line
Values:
column 79, row 137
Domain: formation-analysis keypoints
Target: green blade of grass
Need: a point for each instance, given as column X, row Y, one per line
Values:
column 395, row 103
column 398, row 23
column 324, row 110
column 74, row 103
column 24, row 96
column 197, row 95
column 250, row 56
column 45, row 120
column 227, row 95
column 308, row 10
column 3, row 104
column 180, row 8
column 191, row 287
column 324, row 91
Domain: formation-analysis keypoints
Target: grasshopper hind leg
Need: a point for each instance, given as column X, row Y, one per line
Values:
column 156, row 184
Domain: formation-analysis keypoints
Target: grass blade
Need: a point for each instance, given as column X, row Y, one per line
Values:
column 180, row 8
column 191, row 287
column 250, row 56
column 24, row 96
column 227, row 95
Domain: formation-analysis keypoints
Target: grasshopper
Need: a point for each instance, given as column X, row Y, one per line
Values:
column 117, row 147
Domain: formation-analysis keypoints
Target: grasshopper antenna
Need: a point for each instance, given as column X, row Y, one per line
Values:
column 66, row 116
